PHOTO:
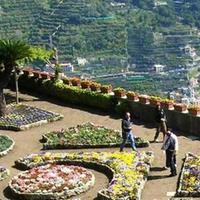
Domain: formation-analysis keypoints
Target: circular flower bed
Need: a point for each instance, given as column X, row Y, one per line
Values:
column 52, row 181
column 6, row 144
column 189, row 184
column 127, row 172
column 22, row 117
column 86, row 135
column 3, row 173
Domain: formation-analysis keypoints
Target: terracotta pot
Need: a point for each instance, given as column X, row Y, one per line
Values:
column 85, row 86
column 95, row 88
column 106, row 90
column 36, row 74
column 76, row 82
column 180, row 108
column 67, row 81
column 44, row 75
column 169, row 106
column 194, row 112
column 27, row 72
column 52, row 77
column 133, row 98
column 154, row 102
column 143, row 100
column 120, row 94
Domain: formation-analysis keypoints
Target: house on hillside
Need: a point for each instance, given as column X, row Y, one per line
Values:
column 158, row 68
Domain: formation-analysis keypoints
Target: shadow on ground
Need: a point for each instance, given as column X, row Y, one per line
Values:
column 155, row 177
column 157, row 169
column 8, row 194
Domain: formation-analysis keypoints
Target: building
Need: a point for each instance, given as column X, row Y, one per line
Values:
column 158, row 68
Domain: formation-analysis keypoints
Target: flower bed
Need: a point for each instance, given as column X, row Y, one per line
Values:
column 52, row 181
column 23, row 117
column 3, row 173
column 6, row 144
column 128, row 170
column 86, row 136
column 189, row 184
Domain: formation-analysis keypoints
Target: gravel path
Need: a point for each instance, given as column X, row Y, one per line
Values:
column 158, row 185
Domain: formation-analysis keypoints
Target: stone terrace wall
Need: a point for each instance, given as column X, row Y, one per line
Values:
column 185, row 122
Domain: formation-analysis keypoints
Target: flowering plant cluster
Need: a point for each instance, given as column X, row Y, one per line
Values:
column 86, row 135
column 75, row 81
column 6, row 144
column 190, row 177
column 3, row 173
column 22, row 117
column 194, row 107
column 58, row 180
column 106, row 88
column 94, row 86
column 85, row 84
column 129, row 170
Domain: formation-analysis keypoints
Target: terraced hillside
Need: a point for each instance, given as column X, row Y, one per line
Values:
column 111, row 32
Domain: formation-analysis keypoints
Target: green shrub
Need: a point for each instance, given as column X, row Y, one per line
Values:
column 69, row 94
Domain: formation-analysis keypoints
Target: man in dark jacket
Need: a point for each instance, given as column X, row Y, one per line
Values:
column 127, row 132
column 160, row 123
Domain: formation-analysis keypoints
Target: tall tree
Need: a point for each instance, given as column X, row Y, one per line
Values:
column 12, row 52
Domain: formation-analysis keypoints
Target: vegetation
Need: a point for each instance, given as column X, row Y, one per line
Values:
column 86, row 135
column 141, row 32
column 12, row 53
column 5, row 143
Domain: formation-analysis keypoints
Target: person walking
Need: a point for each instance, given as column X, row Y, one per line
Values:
column 126, row 126
column 160, row 123
column 170, row 146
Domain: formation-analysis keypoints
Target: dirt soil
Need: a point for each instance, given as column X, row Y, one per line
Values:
column 158, row 187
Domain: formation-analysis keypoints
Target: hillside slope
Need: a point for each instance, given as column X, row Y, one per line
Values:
column 141, row 32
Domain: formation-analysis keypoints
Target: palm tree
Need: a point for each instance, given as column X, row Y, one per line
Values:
column 12, row 52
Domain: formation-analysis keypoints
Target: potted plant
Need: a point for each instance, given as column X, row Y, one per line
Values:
column 28, row 72
column 44, row 75
column 154, row 100
column 119, row 92
column 52, row 77
column 106, row 89
column 75, row 81
column 144, row 99
column 85, row 84
column 180, row 107
column 167, row 104
column 66, row 81
column 95, row 86
column 36, row 74
column 132, row 96
column 194, row 110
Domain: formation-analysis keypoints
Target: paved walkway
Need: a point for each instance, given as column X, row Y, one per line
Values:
column 157, row 187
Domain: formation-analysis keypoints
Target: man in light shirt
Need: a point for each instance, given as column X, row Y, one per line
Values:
column 170, row 146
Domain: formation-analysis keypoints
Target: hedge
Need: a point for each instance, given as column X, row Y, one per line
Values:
column 68, row 94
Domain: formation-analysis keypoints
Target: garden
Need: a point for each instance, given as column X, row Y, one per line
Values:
column 21, row 117
column 127, row 173
column 87, row 135
column 6, row 144
column 189, row 184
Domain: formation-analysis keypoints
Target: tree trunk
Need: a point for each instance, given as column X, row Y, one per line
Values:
column 16, row 86
column 2, row 103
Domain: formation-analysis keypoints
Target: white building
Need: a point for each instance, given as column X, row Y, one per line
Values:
column 158, row 68
column 82, row 61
